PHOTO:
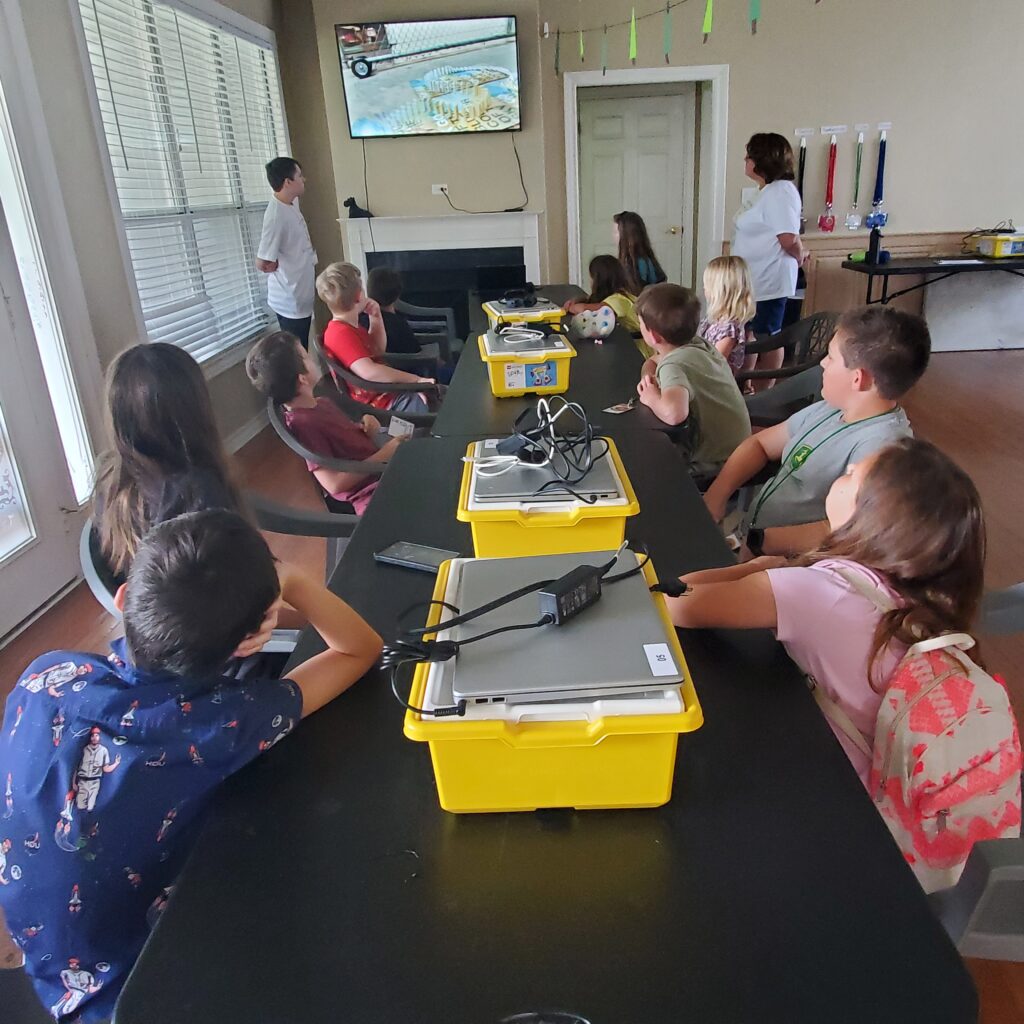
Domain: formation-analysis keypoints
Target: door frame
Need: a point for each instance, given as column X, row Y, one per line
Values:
column 714, row 122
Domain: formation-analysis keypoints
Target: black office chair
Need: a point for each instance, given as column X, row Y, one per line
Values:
column 805, row 342
column 790, row 395
column 336, row 371
column 270, row 516
column 432, row 326
column 1002, row 611
column 363, row 468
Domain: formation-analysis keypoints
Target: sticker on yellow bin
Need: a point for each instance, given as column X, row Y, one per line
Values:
column 535, row 375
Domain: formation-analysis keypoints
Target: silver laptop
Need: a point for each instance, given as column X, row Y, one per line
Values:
column 620, row 645
column 527, row 483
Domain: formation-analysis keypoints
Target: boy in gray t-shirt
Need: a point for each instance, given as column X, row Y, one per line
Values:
column 876, row 355
column 688, row 381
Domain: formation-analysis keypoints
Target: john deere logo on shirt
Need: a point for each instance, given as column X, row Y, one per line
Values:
column 800, row 456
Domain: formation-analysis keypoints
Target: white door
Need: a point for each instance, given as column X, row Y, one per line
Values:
column 637, row 154
column 39, row 515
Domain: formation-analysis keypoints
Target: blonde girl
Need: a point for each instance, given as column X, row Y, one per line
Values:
column 730, row 307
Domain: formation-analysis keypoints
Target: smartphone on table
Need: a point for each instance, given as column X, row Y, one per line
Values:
column 415, row 556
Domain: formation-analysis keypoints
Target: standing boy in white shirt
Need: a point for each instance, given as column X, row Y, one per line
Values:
column 285, row 251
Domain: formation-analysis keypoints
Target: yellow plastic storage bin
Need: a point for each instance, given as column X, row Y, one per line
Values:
column 548, row 528
column 497, row 765
column 543, row 313
column 543, row 371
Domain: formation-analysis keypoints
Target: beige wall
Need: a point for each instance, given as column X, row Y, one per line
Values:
column 480, row 170
column 61, row 79
column 955, row 150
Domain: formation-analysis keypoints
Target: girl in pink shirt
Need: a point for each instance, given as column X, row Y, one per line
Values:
column 907, row 520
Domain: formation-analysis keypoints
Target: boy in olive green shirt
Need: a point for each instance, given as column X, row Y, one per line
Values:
column 687, row 380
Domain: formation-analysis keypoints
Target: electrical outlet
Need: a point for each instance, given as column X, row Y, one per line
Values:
column 438, row 190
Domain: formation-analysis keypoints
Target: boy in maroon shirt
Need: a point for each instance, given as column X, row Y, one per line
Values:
column 283, row 370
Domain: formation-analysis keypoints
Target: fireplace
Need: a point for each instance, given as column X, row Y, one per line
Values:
column 459, row 278
column 457, row 261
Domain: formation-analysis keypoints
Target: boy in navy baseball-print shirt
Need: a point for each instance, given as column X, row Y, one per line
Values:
column 109, row 762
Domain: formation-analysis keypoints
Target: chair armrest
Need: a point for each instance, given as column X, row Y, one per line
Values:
column 781, row 373
column 767, row 343
column 401, row 360
column 296, row 522
column 361, row 466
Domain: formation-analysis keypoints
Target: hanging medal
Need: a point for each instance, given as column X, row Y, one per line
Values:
column 801, row 164
column 877, row 218
column 827, row 221
column 853, row 218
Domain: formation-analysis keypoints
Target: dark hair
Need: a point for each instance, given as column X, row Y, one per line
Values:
column 634, row 244
column 280, row 170
column 607, row 277
column 772, row 156
column 274, row 364
column 161, row 422
column 891, row 345
column 200, row 583
column 670, row 311
column 384, row 285
column 918, row 522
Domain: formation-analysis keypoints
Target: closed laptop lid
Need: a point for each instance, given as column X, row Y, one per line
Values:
column 620, row 644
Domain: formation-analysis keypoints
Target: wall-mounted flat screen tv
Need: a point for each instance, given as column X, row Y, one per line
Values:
column 460, row 75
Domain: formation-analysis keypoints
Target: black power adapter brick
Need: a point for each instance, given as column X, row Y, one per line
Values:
column 569, row 595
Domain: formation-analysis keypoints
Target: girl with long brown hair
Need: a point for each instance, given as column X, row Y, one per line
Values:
column 167, row 456
column 907, row 520
column 635, row 252
column 608, row 287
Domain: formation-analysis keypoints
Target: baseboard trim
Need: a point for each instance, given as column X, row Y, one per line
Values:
column 246, row 432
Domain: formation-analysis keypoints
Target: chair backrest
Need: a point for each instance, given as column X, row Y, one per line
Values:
column 356, row 409
column 437, row 322
column 810, row 337
column 98, row 576
column 367, row 468
column 1002, row 611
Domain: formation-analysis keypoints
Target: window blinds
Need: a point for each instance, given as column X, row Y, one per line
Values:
column 191, row 114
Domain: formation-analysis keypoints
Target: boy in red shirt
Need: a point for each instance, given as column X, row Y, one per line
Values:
column 283, row 370
column 340, row 287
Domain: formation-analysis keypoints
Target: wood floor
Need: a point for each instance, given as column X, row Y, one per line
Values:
column 969, row 404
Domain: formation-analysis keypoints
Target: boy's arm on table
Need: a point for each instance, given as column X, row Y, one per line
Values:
column 671, row 405
column 733, row 597
column 352, row 646
column 746, row 461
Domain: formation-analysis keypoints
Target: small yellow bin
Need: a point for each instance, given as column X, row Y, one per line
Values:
column 537, row 372
column 553, row 528
column 611, row 762
column 543, row 313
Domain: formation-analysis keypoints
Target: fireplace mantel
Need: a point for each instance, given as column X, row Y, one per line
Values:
column 453, row 231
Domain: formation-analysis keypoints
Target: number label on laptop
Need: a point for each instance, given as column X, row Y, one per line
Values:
column 659, row 657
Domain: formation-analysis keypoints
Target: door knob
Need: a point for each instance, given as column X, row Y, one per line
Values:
column 673, row 230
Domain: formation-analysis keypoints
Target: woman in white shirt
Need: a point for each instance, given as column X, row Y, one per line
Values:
column 767, row 235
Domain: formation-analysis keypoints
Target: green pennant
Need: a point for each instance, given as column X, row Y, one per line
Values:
column 755, row 15
column 581, row 46
column 667, row 32
column 632, row 37
column 709, row 17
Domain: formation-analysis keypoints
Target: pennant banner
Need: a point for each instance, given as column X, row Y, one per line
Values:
column 604, row 51
column 709, row 17
column 632, row 37
column 581, row 46
column 667, row 32
column 755, row 15
column 558, row 51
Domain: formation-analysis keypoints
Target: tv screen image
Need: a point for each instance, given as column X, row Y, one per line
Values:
column 430, row 77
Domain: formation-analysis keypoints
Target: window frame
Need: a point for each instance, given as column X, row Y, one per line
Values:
column 225, row 19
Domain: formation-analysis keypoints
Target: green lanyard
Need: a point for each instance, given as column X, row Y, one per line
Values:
column 797, row 457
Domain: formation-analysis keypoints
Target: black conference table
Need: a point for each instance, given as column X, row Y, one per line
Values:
column 328, row 885
column 600, row 376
